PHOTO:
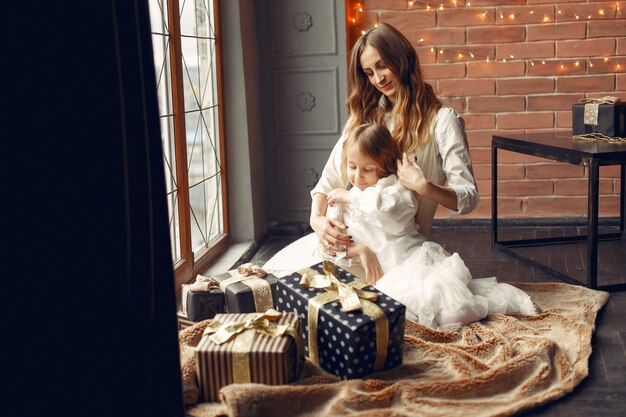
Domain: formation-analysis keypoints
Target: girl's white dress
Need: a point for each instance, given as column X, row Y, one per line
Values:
column 436, row 287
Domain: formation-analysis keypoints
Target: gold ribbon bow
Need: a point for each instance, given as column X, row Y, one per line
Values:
column 592, row 105
column 348, row 295
column 201, row 284
column 250, row 269
column 251, row 275
column 352, row 297
column 601, row 100
column 243, row 332
column 204, row 284
column 220, row 333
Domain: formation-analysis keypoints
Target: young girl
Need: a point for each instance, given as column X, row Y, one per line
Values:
column 380, row 214
column 378, row 210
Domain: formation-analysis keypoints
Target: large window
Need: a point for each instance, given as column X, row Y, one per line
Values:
column 185, row 39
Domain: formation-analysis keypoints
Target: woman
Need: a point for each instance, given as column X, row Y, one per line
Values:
column 386, row 86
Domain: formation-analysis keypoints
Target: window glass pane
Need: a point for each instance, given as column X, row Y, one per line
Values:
column 171, row 185
column 158, row 16
column 207, row 216
column 202, row 124
column 160, row 46
column 204, row 178
column 191, row 76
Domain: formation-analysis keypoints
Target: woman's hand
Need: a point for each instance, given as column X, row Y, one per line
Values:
column 372, row 268
column 331, row 234
column 338, row 196
column 411, row 175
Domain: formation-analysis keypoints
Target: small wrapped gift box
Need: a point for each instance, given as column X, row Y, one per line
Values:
column 606, row 115
column 183, row 321
column 263, row 348
column 348, row 328
column 248, row 289
column 202, row 300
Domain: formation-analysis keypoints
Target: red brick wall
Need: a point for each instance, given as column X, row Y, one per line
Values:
column 516, row 66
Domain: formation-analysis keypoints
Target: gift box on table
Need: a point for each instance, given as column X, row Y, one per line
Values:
column 263, row 348
column 350, row 344
column 201, row 300
column 248, row 289
column 606, row 115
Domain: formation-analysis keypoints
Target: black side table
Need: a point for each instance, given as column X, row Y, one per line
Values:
column 559, row 148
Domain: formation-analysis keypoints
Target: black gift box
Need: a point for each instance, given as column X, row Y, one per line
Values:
column 346, row 342
column 183, row 321
column 202, row 305
column 611, row 120
column 239, row 295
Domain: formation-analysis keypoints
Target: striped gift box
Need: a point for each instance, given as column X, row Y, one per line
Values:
column 270, row 360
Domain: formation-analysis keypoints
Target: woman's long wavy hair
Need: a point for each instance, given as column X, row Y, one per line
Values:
column 415, row 103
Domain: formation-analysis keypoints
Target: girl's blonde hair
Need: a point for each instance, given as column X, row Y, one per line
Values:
column 415, row 102
column 374, row 140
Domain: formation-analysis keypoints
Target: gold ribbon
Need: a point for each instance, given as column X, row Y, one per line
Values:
column 592, row 137
column 204, row 284
column 352, row 297
column 201, row 284
column 243, row 332
column 251, row 269
column 592, row 105
column 251, row 275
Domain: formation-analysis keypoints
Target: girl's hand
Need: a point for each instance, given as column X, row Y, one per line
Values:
column 411, row 175
column 338, row 195
column 372, row 268
column 331, row 234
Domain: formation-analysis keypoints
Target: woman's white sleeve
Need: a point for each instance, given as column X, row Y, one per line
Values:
column 456, row 162
column 331, row 175
column 390, row 207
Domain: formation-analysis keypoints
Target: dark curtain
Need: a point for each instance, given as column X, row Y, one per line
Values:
column 88, row 271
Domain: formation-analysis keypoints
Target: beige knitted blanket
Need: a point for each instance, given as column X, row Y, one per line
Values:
column 497, row 367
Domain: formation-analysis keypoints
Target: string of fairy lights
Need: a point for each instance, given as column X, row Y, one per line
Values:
column 602, row 11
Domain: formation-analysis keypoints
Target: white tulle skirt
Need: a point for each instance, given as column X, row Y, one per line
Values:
column 438, row 290
column 435, row 286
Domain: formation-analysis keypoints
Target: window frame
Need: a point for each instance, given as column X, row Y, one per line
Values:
column 191, row 263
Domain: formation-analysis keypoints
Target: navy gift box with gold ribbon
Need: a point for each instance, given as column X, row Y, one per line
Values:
column 201, row 300
column 349, row 344
column 606, row 116
column 247, row 289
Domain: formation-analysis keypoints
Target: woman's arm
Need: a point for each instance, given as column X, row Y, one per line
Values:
column 451, row 141
column 413, row 178
column 331, row 233
column 460, row 193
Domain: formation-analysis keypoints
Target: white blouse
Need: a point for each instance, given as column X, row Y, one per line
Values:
column 381, row 217
column 452, row 155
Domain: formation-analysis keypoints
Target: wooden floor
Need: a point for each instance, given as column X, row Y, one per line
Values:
column 603, row 392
